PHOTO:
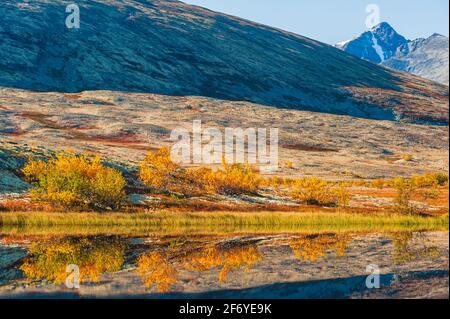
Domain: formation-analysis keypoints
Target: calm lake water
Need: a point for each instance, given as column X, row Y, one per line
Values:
column 316, row 265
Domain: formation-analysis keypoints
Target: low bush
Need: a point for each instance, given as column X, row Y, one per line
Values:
column 158, row 172
column 402, row 200
column 408, row 157
column 229, row 259
column 342, row 195
column 76, row 182
column 378, row 183
column 314, row 191
column 232, row 179
column 429, row 180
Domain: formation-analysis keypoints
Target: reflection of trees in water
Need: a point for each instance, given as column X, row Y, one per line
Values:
column 404, row 250
column 313, row 247
column 229, row 259
column 94, row 256
column 155, row 268
column 161, row 269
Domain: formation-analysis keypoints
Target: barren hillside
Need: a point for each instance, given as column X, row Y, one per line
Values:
column 171, row 48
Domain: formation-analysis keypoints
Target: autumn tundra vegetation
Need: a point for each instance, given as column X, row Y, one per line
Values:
column 159, row 173
column 69, row 182
column 76, row 182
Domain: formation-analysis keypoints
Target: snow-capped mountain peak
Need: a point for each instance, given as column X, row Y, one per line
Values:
column 383, row 45
column 376, row 45
column 378, row 48
column 383, row 26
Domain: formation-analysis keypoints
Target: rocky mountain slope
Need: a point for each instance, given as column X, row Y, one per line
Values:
column 428, row 58
column 376, row 45
column 424, row 57
column 168, row 47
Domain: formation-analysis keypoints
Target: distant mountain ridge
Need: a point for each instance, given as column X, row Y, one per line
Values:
column 172, row 48
column 428, row 58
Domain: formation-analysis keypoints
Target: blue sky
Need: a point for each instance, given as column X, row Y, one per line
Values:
column 332, row 21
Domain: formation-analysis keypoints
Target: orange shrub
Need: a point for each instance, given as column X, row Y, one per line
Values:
column 341, row 195
column 158, row 172
column 429, row 180
column 76, row 182
column 314, row 191
column 233, row 179
column 402, row 200
column 378, row 183
column 408, row 157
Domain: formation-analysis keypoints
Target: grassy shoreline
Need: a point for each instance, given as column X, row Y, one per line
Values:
column 217, row 222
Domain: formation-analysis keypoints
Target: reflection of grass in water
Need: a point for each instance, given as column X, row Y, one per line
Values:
column 211, row 223
column 94, row 256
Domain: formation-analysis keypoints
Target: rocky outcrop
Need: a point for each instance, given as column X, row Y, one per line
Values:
column 9, row 165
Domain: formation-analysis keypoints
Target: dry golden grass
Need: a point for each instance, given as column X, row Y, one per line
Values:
column 217, row 222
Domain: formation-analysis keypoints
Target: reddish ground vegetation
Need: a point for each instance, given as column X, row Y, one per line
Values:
column 308, row 148
column 72, row 96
